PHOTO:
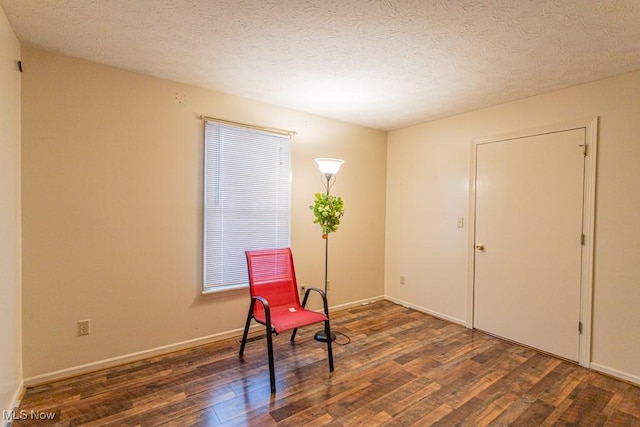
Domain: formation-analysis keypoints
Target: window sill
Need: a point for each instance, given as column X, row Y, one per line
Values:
column 222, row 289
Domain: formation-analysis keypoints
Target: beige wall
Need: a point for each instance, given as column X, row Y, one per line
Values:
column 427, row 189
column 10, row 274
column 112, row 165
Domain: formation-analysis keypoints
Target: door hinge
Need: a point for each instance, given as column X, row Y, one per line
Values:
column 579, row 327
column 582, row 238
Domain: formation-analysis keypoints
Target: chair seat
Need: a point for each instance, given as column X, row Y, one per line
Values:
column 284, row 319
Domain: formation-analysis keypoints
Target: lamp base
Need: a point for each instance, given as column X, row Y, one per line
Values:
column 321, row 336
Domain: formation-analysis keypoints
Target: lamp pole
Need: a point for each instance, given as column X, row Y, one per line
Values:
column 320, row 335
column 326, row 244
column 329, row 167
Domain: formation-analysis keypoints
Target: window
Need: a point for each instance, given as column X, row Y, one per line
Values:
column 247, row 199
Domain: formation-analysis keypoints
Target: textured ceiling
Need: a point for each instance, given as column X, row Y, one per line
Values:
column 384, row 64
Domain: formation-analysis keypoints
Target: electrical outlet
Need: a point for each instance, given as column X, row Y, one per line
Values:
column 303, row 289
column 83, row 327
column 402, row 280
column 328, row 285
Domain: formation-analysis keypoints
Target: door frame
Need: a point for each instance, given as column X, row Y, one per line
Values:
column 590, row 125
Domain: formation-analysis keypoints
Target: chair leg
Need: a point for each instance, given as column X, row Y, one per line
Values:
column 293, row 334
column 272, row 374
column 327, row 331
column 246, row 328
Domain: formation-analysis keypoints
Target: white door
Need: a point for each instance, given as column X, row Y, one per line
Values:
column 529, row 210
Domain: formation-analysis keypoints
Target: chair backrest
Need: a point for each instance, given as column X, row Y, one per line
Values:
column 272, row 276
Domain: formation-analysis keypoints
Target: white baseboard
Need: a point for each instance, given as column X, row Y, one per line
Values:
column 132, row 357
column 15, row 403
column 427, row 311
column 356, row 303
column 615, row 373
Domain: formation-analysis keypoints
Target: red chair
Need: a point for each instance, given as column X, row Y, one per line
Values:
column 272, row 281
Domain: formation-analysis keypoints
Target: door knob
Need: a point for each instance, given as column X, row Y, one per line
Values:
column 480, row 247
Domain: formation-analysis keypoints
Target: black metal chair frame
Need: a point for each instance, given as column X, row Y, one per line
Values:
column 271, row 330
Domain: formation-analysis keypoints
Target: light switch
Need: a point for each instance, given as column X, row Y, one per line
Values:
column 460, row 222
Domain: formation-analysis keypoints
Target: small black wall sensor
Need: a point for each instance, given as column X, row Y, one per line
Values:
column 20, row 66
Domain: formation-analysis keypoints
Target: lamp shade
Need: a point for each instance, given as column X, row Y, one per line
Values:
column 329, row 166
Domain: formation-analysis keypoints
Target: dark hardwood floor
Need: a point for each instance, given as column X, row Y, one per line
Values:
column 402, row 367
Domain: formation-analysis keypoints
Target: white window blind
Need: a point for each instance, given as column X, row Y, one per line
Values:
column 247, row 198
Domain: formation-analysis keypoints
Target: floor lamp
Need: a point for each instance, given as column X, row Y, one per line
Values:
column 329, row 168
